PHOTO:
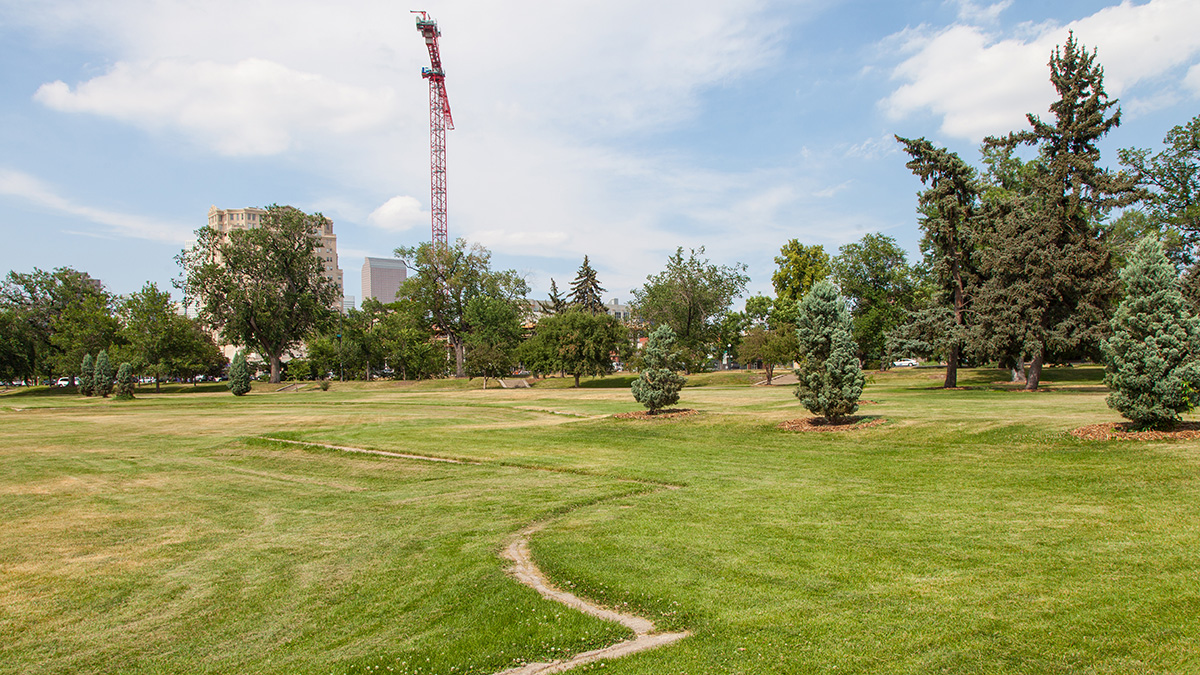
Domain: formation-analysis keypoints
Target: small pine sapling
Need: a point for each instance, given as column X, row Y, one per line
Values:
column 1152, row 360
column 86, row 375
column 102, row 376
column 239, row 375
column 658, row 385
column 831, row 379
column 124, row 383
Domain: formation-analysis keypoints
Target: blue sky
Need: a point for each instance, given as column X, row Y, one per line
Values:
column 617, row 129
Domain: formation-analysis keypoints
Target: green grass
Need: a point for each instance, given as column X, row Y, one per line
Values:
column 968, row 534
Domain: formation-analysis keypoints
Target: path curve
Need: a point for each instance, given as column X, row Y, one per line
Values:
column 525, row 571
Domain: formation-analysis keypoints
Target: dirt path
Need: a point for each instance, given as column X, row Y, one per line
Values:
column 525, row 571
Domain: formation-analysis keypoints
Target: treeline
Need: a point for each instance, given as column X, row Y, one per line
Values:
column 52, row 322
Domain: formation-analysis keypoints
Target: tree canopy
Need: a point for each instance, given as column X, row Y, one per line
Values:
column 691, row 296
column 586, row 292
column 264, row 287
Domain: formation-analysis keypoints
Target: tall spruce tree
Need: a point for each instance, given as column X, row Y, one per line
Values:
column 1152, row 360
column 658, row 384
column 124, row 391
column 102, row 375
column 556, row 304
column 831, row 380
column 1050, row 282
column 239, row 375
column 949, row 208
column 87, row 371
column 586, row 290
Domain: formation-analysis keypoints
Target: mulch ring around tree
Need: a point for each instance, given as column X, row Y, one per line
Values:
column 821, row 424
column 1124, row 431
column 665, row 414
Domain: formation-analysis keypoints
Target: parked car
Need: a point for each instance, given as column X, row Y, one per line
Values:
column 63, row 382
column 905, row 363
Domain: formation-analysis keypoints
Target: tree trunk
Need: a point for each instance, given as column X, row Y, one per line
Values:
column 1035, row 372
column 951, row 369
column 276, row 364
column 460, row 360
column 576, row 380
column 770, row 368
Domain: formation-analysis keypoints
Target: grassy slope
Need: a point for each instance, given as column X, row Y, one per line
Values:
column 970, row 534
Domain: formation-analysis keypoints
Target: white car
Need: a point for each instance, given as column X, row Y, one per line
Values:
column 905, row 363
column 63, row 382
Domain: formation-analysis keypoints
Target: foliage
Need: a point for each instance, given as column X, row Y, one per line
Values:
column 18, row 348
column 658, row 385
column 831, row 380
column 496, row 333
column 769, row 346
column 874, row 274
column 950, row 208
column 239, row 374
column 161, row 342
column 264, row 288
column 102, row 376
column 555, row 304
column 575, row 342
column 1050, row 284
column 798, row 268
column 1172, row 178
column 691, row 296
column 586, row 292
column 58, row 317
column 87, row 373
column 1153, row 357
column 446, row 279
column 124, row 389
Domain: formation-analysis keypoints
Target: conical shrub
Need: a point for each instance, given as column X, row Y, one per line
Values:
column 86, row 375
column 239, row 375
column 658, row 384
column 102, row 376
column 831, row 379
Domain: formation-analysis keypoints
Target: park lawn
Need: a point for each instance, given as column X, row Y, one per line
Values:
column 969, row 533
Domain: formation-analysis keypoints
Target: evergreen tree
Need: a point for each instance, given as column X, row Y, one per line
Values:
column 102, row 375
column 658, row 384
column 1152, row 360
column 124, row 382
column 239, row 375
column 86, row 374
column 586, row 290
column 949, row 207
column 556, row 304
column 830, row 378
column 1050, row 282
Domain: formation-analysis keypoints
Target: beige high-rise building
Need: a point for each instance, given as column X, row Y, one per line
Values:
column 228, row 220
column 381, row 278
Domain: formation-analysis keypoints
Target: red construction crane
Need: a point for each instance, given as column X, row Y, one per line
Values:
column 439, row 121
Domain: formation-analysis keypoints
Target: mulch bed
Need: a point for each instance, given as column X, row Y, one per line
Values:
column 821, row 424
column 667, row 413
column 1123, row 431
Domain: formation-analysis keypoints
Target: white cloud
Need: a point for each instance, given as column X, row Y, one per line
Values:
column 252, row 107
column 28, row 188
column 983, row 83
column 1192, row 80
column 970, row 11
column 398, row 214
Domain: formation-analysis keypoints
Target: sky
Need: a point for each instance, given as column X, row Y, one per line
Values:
column 619, row 129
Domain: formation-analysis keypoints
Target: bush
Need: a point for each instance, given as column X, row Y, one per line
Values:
column 658, row 385
column 324, row 385
column 239, row 375
column 102, row 376
column 124, row 383
column 1152, row 360
column 831, row 379
column 86, row 374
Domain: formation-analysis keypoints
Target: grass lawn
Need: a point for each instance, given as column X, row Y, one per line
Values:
column 968, row 534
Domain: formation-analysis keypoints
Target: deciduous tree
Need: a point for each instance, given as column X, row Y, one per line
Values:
column 691, row 296
column 875, row 276
column 264, row 288
column 576, row 342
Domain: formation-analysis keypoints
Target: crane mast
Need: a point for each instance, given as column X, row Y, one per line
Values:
column 439, row 122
